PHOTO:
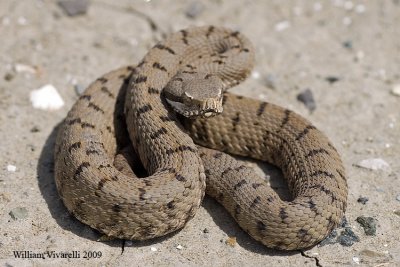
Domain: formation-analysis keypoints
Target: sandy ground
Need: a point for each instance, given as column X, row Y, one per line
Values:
column 346, row 52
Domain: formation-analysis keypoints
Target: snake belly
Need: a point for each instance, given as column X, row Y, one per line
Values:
column 128, row 207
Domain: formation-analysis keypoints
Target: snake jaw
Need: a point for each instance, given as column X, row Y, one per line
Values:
column 207, row 108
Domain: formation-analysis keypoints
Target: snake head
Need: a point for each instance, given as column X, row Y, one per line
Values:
column 193, row 94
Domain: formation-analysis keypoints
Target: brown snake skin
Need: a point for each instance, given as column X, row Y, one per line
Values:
column 124, row 206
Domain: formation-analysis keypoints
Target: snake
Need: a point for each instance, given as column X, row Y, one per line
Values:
column 173, row 110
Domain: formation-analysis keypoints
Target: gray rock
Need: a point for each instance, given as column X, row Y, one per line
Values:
column 373, row 164
column 330, row 239
column 19, row 213
column 368, row 223
column 362, row 200
column 307, row 98
column 194, row 9
column 74, row 7
column 270, row 81
column 79, row 89
column 347, row 237
column 332, row 79
column 348, row 44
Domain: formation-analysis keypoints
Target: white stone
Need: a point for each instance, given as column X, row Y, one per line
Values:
column 360, row 55
column 356, row 260
column 11, row 168
column 22, row 21
column 317, row 6
column 24, row 68
column 347, row 21
column 281, row 26
column 348, row 5
column 360, row 8
column 46, row 98
column 373, row 164
column 179, row 247
column 154, row 249
column 396, row 90
column 255, row 75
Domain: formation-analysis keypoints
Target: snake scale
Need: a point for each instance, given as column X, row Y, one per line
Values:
column 116, row 202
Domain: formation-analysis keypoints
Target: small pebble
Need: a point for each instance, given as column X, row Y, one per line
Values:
column 231, row 241
column 347, row 44
column 317, row 6
column 356, row 260
column 270, row 81
column 281, row 26
column 8, row 77
column 380, row 189
column 24, row 68
column 206, row 231
column 396, row 90
column 46, row 98
column 35, row 129
column 373, row 164
column 179, row 247
column 11, row 168
column 255, row 75
column 19, row 213
column 332, row 79
column 347, row 237
column 360, row 8
column 22, row 21
column 368, row 223
column 153, row 249
column 307, row 98
column 398, row 197
column 348, row 5
column 79, row 89
column 74, row 7
column 194, row 9
column 360, row 55
column 347, row 21
column 362, row 200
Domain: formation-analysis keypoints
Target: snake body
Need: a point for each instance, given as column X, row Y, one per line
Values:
column 125, row 206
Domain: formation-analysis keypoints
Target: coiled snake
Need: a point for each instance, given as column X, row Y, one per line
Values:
column 195, row 66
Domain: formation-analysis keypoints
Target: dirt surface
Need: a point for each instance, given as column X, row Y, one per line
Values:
column 347, row 53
